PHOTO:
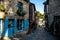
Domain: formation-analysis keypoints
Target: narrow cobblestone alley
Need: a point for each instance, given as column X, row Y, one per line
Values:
column 38, row 34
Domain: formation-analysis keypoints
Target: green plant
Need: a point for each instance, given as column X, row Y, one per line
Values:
column 2, row 8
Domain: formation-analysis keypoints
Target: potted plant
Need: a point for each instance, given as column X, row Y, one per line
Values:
column 2, row 11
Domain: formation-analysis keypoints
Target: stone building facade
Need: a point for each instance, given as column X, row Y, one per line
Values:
column 32, row 17
column 12, row 7
column 52, row 11
column 14, row 21
column 17, row 15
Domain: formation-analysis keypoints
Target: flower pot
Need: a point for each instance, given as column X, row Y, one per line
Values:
column 2, row 15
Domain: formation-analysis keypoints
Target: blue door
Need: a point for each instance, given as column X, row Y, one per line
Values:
column 10, row 27
column 19, row 25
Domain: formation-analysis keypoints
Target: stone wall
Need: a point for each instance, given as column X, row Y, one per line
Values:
column 53, row 10
column 11, row 8
column 54, row 6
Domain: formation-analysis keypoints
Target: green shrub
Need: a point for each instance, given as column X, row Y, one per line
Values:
column 2, row 8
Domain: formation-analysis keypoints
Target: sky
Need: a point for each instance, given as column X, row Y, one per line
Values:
column 39, row 5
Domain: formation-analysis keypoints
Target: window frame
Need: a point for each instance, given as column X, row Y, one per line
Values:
column 20, row 6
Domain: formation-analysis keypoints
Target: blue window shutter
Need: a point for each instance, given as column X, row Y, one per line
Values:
column 15, row 25
column 6, row 27
column 26, row 24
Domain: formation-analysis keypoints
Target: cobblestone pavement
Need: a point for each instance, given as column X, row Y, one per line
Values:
column 38, row 34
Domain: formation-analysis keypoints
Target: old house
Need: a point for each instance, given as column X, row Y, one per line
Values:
column 32, row 11
column 16, row 16
column 32, row 16
column 52, row 11
column 46, row 13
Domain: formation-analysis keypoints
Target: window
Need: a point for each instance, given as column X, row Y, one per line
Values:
column 20, row 7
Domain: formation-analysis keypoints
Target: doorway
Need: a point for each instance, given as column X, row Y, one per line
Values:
column 20, row 25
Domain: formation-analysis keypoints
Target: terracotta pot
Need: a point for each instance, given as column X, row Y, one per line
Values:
column 2, row 15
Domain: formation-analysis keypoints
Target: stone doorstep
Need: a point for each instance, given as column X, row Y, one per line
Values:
column 22, row 33
column 6, row 38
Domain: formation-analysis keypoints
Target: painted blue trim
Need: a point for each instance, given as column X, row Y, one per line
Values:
column 8, row 32
column 26, row 24
column 15, row 25
column 5, row 27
